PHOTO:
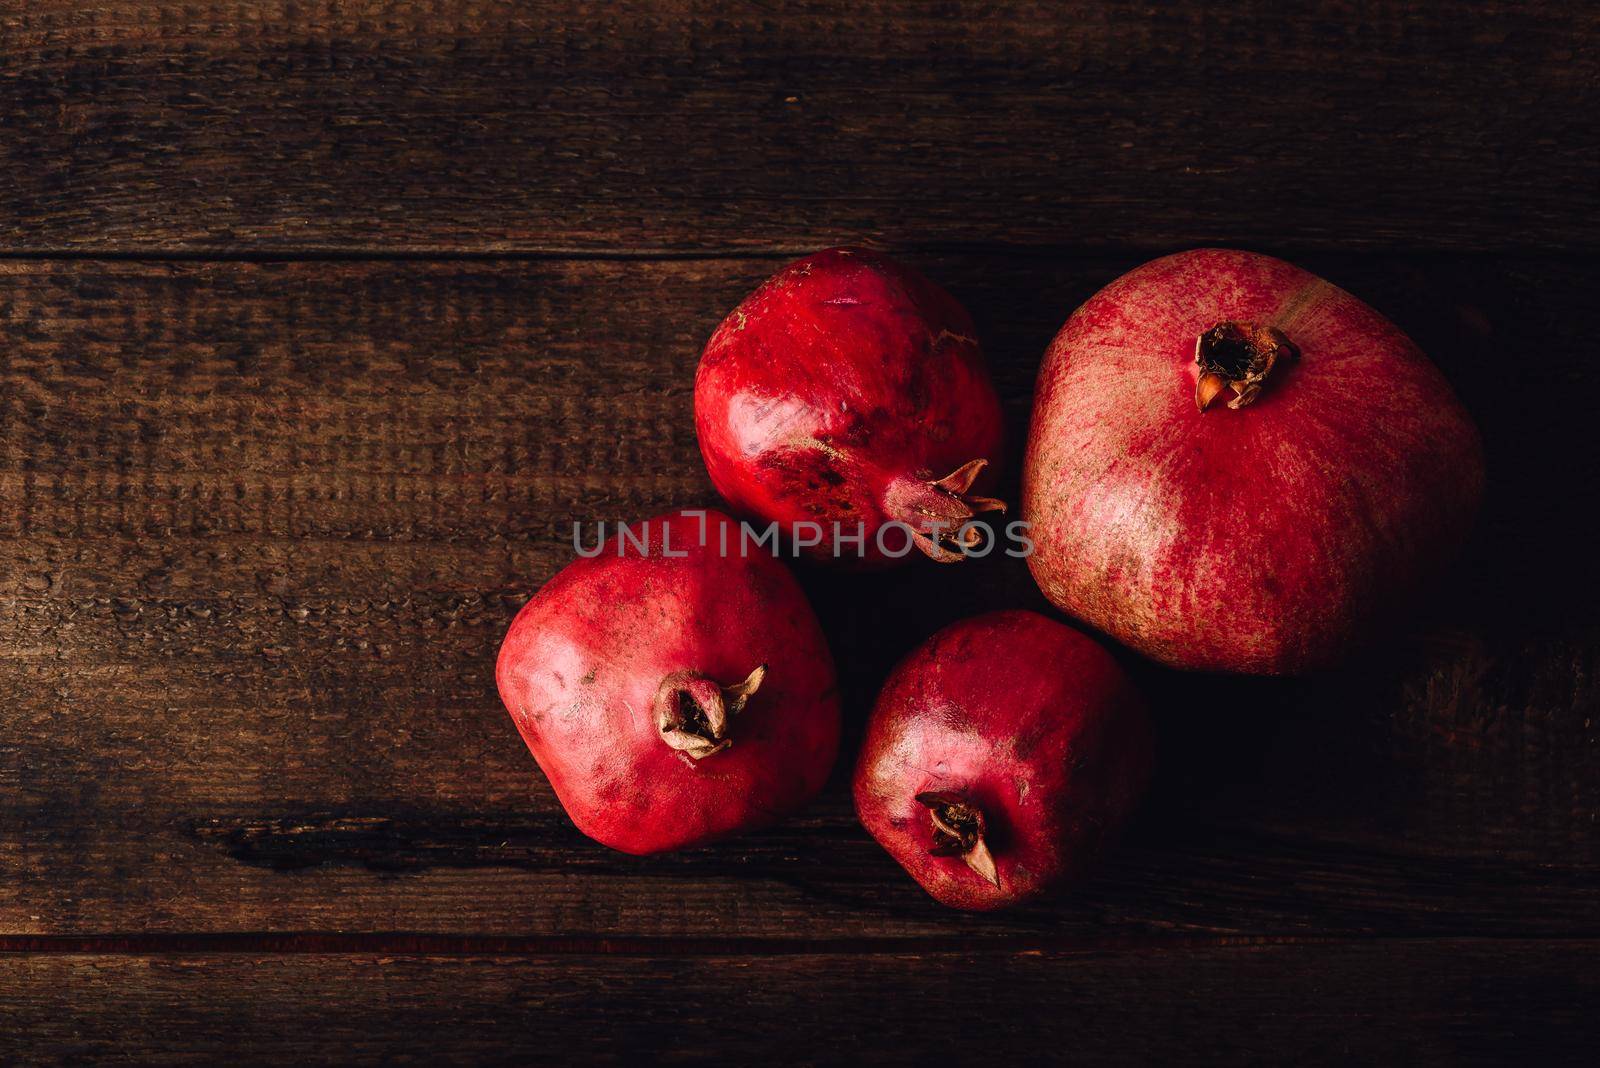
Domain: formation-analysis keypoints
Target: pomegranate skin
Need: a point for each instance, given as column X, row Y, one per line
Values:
column 850, row 390
column 1273, row 539
column 1022, row 719
column 586, row 666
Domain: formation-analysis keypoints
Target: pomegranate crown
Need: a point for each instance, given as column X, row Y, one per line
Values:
column 958, row 831
column 693, row 712
column 1238, row 356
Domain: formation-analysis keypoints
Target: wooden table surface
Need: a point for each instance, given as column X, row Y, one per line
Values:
column 321, row 322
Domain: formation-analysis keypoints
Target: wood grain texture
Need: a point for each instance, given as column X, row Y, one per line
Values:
column 1442, row 1002
column 262, row 527
column 412, row 125
column 321, row 322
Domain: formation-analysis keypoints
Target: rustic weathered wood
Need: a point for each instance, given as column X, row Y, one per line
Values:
column 413, row 125
column 1442, row 1002
column 323, row 322
column 262, row 527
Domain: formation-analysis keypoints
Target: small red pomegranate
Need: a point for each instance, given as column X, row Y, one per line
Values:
column 1001, row 756
column 673, row 694
column 1269, row 534
column 845, row 395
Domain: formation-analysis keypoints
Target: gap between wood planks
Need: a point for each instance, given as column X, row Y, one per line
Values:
column 447, row 945
column 780, row 253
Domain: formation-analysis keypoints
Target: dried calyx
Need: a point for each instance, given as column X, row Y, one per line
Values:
column 1238, row 356
column 693, row 712
column 958, row 830
column 939, row 512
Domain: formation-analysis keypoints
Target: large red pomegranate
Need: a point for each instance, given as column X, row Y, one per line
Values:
column 1237, row 466
column 1001, row 756
column 676, row 694
column 845, row 395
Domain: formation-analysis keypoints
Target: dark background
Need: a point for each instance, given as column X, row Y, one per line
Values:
column 320, row 323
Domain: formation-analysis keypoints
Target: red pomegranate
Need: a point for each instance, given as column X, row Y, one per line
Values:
column 845, row 395
column 673, row 694
column 1269, row 534
column 1001, row 756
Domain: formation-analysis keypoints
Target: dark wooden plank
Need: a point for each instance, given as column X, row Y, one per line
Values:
column 1395, row 1002
column 413, row 125
column 262, row 527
